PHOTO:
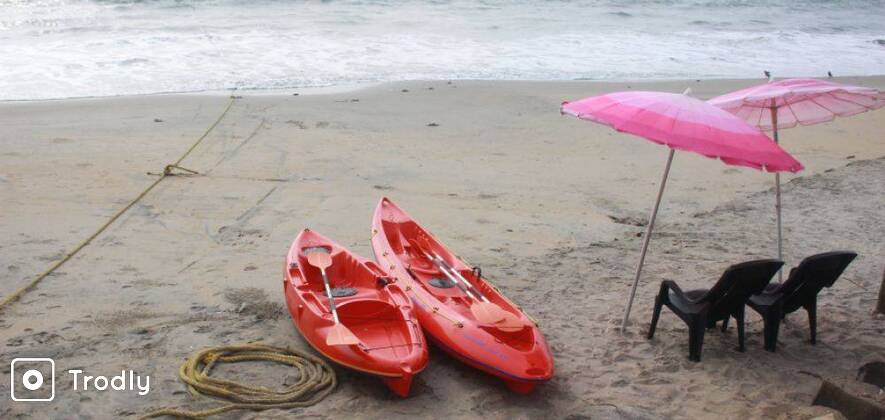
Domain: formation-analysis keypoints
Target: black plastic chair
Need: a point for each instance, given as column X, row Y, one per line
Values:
column 701, row 309
column 800, row 290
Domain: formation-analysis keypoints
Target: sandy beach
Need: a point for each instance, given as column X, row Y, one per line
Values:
column 551, row 207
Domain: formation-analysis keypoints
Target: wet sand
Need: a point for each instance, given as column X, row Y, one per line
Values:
column 546, row 204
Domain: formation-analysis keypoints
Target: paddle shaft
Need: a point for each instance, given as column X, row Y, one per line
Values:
column 329, row 293
column 475, row 291
column 464, row 288
column 444, row 268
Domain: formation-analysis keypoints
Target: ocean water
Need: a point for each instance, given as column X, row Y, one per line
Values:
column 74, row 48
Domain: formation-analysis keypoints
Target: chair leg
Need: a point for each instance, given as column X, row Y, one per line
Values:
column 696, row 338
column 739, row 319
column 655, row 316
column 772, row 322
column 725, row 323
column 811, row 308
column 771, row 318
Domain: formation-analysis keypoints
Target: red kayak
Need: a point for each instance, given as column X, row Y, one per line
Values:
column 376, row 331
column 459, row 310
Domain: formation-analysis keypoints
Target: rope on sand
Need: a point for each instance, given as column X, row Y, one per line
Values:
column 317, row 380
column 167, row 171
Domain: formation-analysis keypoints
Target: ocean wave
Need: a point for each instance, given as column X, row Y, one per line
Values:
column 68, row 48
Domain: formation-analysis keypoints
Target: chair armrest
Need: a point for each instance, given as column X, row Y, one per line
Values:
column 671, row 285
column 680, row 299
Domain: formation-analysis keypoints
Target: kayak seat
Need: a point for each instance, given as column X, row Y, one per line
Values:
column 339, row 292
column 427, row 278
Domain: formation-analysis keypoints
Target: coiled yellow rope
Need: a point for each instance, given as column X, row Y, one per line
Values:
column 317, row 380
column 166, row 172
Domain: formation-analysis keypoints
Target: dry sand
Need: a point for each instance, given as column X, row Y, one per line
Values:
column 494, row 171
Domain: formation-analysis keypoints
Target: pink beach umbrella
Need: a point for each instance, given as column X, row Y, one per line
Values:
column 681, row 122
column 790, row 102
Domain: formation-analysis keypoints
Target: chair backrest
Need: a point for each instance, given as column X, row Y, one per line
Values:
column 738, row 283
column 811, row 275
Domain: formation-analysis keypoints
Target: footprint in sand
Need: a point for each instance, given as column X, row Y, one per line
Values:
column 253, row 301
column 235, row 236
column 327, row 124
column 297, row 123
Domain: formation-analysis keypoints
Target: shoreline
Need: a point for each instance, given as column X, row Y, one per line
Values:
column 357, row 87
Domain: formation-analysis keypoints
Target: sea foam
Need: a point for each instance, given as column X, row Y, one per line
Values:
column 74, row 48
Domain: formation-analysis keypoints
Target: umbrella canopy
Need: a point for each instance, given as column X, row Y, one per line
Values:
column 684, row 123
column 798, row 101
column 790, row 102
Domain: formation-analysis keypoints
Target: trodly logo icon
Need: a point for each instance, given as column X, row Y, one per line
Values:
column 32, row 379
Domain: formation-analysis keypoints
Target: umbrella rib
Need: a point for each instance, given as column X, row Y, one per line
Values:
column 796, row 117
column 865, row 107
column 759, row 120
column 752, row 103
column 822, row 106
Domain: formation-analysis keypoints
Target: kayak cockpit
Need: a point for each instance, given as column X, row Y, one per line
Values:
column 349, row 277
column 380, row 326
column 429, row 276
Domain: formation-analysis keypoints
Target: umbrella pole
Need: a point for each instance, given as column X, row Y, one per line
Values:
column 646, row 238
column 777, row 205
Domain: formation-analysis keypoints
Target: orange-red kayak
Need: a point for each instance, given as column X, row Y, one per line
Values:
column 369, row 303
column 519, row 356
